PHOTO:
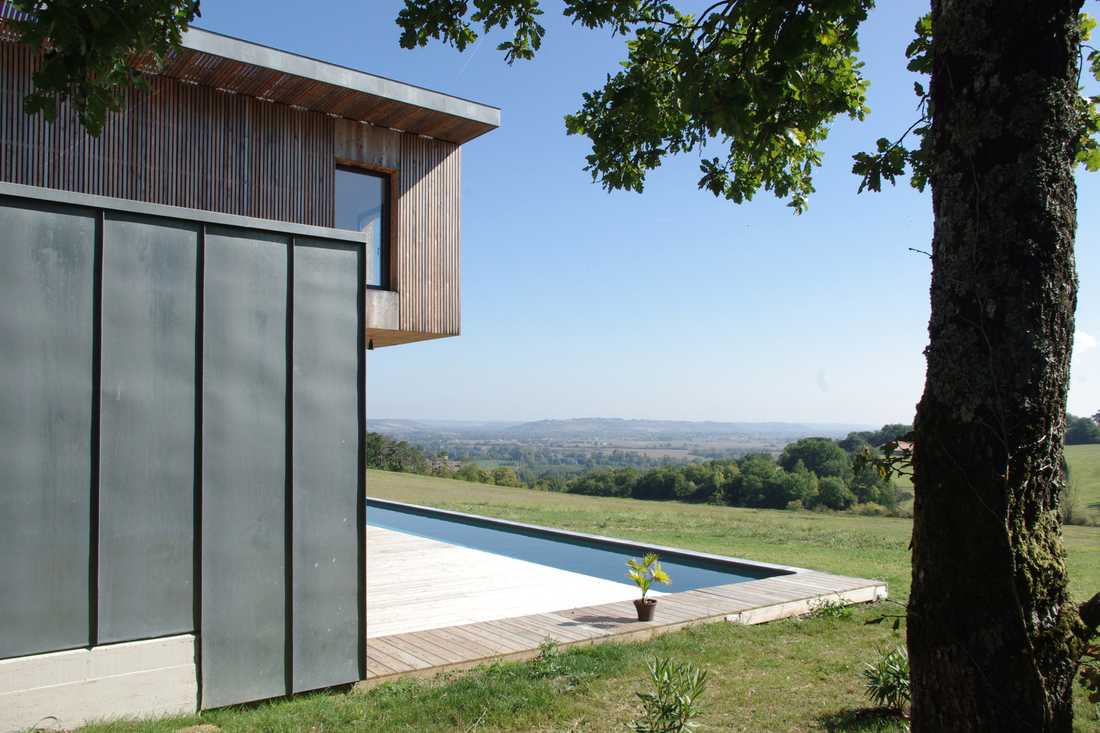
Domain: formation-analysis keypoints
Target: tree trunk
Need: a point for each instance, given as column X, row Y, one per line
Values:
column 993, row 637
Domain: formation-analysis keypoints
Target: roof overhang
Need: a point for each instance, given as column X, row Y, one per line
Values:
column 240, row 67
column 237, row 66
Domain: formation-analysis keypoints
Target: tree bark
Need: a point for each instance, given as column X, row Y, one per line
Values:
column 993, row 635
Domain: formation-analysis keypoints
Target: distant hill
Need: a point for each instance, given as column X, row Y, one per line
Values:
column 605, row 428
column 405, row 429
column 595, row 428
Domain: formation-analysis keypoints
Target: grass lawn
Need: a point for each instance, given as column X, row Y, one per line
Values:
column 793, row 675
column 1084, row 472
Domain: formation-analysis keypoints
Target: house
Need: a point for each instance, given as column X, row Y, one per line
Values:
column 186, row 303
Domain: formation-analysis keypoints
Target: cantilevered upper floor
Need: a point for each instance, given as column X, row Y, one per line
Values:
column 238, row 128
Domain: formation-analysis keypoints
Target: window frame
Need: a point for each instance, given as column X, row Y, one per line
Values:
column 389, row 212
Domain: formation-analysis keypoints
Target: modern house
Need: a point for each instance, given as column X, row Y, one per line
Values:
column 186, row 303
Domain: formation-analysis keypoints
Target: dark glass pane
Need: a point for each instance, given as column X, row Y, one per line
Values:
column 360, row 204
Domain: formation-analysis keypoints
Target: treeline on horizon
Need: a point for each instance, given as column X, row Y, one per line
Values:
column 810, row 473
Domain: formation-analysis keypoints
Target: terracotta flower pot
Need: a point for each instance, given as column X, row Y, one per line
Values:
column 645, row 608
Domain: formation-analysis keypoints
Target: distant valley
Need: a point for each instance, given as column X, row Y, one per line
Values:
column 573, row 445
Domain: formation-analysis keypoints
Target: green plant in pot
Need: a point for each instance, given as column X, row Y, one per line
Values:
column 645, row 574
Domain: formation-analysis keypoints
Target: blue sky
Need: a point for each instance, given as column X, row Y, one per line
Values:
column 669, row 304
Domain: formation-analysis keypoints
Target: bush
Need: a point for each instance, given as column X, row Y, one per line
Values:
column 1081, row 430
column 505, row 476
column 673, row 705
column 830, row 608
column 904, row 512
column 1072, row 513
column 887, row 680
column 834, row 493
column 795, row 506
column 871, row 509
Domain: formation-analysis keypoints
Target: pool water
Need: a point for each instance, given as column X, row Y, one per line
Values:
column 600, row 559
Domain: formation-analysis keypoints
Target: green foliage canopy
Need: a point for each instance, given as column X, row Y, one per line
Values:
column 1081, row 430
column 93, row 48
column 763, row 79
column 820, row 455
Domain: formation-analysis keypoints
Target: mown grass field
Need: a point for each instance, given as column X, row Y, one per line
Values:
column 793, row 675
column 1084, row 473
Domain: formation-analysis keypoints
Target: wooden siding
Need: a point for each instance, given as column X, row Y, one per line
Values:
column 184, row 144
column 176, row 144
column 425, row 251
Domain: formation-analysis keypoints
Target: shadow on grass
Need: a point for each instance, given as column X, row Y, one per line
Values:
column 863, row 720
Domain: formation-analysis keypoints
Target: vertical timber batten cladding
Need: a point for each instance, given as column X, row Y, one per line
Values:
column 176, row 144
column 424, row 264
column 182, row 392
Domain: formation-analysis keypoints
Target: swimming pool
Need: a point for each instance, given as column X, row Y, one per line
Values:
column 599, row 557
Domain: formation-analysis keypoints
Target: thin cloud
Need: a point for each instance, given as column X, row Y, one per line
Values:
column 1083, row 342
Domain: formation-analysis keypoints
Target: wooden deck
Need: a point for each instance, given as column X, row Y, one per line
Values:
column 458, row 608
column 417, row 584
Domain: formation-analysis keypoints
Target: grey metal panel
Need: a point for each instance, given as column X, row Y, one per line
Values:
column 325, row 493
column 46, row 329
column 147, row 419
column 244, row 471
column 35, row 193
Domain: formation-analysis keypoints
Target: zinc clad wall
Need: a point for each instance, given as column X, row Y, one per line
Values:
column 46, row 431
column 326, row 466
column 147, row 443
column 244, row 620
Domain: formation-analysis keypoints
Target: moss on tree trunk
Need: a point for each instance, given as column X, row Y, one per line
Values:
column 993, row 635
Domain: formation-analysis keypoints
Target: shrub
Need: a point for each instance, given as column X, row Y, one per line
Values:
column 548, row 662
column 795, row 506
column 673, row 705
column 887, row 680
column 831, row 608
column 905, row 512
column 834, row 493
column 505, row 476
column 871, row 509
column 1071, row 500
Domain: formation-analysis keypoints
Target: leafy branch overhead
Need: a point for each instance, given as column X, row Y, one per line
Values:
column 762, row 80
column 891, row 159
column 91, row 50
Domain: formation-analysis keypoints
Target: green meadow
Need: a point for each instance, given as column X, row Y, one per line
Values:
column 793, row 675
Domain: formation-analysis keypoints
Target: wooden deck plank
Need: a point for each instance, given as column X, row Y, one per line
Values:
column 434, row 606
column 400, row 651
column 414, row 584
column 495, row 644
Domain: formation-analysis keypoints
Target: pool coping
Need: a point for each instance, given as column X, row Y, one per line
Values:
column 642, row 547
column 795, row 592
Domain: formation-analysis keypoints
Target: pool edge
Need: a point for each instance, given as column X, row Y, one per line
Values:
column 641, row 547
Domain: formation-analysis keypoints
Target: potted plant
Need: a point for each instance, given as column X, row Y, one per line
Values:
column 645, row 574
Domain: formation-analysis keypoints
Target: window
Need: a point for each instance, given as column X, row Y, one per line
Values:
column 363, row 204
